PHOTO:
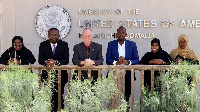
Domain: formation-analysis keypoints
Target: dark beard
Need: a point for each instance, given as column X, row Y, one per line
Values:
column 120, row 39
column 53, row 42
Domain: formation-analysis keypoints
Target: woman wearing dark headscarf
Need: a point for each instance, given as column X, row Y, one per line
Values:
column 183, row 52
column 157, row 56
column 18, row 52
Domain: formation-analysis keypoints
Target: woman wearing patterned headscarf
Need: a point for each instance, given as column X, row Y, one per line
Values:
column 157, row 56
column 183, row 52
column 18, row 53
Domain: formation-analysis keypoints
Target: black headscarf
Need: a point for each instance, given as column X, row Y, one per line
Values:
column 19, row 38
column 159, row 52
column 13, row 52
column 155, row 40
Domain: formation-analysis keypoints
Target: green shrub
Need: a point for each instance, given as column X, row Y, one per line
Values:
column 178, row 92
column 85, row 97
column 20, row 91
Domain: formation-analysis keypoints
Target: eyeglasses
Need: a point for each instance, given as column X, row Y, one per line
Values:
column 15, row 44
column 54, row 35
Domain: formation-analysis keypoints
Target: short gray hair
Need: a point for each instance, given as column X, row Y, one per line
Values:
column 89, row 29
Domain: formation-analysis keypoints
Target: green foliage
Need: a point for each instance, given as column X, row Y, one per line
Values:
column 85, row 97
column 20, row 91
column 178, row 91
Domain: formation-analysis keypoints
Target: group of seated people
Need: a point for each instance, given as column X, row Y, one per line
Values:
column 119, row 52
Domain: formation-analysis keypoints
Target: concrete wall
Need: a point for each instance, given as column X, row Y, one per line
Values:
column 18, row 18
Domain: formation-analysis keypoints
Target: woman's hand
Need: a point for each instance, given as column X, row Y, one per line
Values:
column 179, row 60
column 12, row 60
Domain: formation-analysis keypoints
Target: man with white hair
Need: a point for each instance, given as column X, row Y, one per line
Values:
column 87, row 53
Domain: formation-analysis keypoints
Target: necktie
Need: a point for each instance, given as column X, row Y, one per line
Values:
column 87, row 52
column 54, row 49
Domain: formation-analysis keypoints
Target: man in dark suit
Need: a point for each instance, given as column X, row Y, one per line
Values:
column 54, row 52
column 123, row 52
column 88, row 53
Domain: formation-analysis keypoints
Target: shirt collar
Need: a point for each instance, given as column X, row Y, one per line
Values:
column 53, row 44
column 87, row 46
column 122, row 44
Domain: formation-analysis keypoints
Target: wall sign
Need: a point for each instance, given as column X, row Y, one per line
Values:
column 128, row 22
column 52, row 16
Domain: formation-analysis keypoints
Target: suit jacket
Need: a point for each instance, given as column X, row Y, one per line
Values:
column 131, row 52
column 80, row 53
column 61, row 53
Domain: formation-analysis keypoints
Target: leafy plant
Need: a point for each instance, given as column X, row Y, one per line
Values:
column 20, row 92
column 178, row 91
column 85, row 97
